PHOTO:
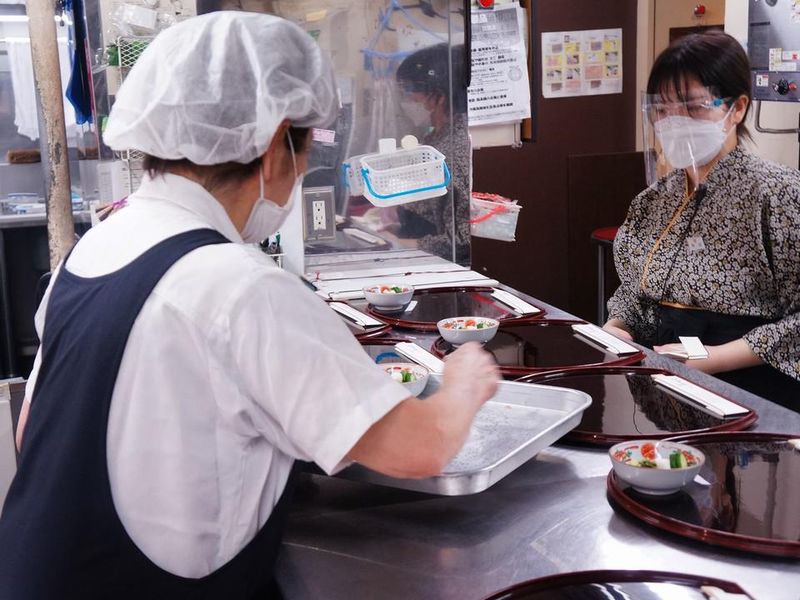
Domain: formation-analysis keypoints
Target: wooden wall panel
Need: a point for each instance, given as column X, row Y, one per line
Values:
column 536, row 174
column 600, row 189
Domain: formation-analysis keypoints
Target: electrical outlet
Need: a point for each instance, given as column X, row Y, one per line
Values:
column 319, row 216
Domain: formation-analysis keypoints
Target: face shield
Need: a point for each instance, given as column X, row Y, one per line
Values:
column 684, row 134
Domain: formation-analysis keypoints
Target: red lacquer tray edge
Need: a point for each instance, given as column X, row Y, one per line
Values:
column 622, row 361
column 713, row 537
column 369, row 333
column 551, row 582
column 428, row 326
column 603, row 440
column 383, row 341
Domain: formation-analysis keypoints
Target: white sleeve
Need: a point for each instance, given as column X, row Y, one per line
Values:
column 38, row 322
column 303, row 367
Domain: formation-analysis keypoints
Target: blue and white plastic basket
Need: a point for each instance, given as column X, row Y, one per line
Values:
column 403, row 176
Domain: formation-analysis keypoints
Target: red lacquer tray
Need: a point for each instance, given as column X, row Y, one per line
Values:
column 602, row 585
column 628, row 405
column 543, row 345
column 436, row 304
column 366, row 334
column 362, row 333
column 749, row 502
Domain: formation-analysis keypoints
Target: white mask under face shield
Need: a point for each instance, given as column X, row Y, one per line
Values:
column 267, row 216
column 683, row 134
column 416, row 112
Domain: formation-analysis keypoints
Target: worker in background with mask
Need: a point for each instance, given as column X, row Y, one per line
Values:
column 438, row 109
column 712, row 248
column 181, row 372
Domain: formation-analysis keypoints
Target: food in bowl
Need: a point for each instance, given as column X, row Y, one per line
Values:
column 467, row 324
column 656, row 467
column 648, row 458
column 401, row 374
column 389, row 296
column 394, row 289
column 413, row 377
column 459, row 330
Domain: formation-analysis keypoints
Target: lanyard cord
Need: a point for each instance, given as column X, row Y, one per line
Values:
column 675, row 216
column 697, row 196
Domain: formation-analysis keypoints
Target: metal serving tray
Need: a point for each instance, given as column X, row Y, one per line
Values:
column 510, row 429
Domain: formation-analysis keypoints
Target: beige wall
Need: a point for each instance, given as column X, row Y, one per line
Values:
column 655, row 19
column 776, row 115
column 680, row 13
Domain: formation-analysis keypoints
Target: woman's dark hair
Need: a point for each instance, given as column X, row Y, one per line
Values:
column 427, row 71
column 715, row 59
column 223, row 174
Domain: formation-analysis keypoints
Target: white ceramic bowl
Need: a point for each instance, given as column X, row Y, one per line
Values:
column 416, row 387
column 660, row 480
column 389, row 301
column 456, row 337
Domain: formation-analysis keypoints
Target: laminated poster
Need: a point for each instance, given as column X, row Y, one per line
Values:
column 500, row 90
column 581, row 63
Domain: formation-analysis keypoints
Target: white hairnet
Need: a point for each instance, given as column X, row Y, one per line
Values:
column 214, row 89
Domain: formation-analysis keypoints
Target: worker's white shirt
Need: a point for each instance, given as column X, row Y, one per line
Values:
column 232, row 369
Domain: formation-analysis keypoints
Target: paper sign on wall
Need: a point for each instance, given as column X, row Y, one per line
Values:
column 581, row 63
column 500, row 90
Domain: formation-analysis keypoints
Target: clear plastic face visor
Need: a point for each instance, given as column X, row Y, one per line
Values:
column 684, row 134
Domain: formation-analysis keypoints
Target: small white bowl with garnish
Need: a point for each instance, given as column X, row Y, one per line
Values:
column 392, row 297
column 414, row 377
column 460, row 330
column 654, row 466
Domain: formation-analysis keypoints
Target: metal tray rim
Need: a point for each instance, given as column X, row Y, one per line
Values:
column 459, row 483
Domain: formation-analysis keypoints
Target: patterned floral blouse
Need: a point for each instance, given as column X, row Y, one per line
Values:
column 741, row 256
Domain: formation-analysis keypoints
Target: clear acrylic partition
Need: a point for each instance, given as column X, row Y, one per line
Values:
column 368, row 41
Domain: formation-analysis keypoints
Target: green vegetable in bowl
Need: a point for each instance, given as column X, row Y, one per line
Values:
column 397, row 289
column 401, row 374
column 677, row 460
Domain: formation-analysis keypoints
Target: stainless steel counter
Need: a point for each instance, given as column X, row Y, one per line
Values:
column 352, row 540
column 39, row 219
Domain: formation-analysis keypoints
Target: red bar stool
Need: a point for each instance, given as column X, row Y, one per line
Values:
column 604, row 238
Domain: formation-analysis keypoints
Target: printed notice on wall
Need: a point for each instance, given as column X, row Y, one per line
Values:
column 500, row 89
column 581, row 63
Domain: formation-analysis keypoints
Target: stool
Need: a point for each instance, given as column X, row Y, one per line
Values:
column 604, row 237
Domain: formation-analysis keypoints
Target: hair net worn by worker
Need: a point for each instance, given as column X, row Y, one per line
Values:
column 215, row 88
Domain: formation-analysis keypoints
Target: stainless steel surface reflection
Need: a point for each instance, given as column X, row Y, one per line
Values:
column 349, row 540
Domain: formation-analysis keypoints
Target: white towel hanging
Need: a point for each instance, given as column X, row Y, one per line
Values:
column 22, row 81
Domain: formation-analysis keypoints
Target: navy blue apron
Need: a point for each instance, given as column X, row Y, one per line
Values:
column 714, row 329
column 60, row 535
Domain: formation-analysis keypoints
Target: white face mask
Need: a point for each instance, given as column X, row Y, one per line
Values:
column 415, row 111
column 690, row 142
column 267, row 217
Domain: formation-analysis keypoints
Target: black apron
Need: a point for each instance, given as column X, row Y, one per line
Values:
column 714, row 329
column 60, row 535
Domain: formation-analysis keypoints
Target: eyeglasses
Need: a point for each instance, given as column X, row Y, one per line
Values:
column 707, row 109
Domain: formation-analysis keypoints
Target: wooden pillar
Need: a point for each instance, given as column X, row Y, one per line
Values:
column 47, row 75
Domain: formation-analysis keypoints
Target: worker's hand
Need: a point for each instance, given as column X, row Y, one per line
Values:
column 616, row 327
column 471, row 372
